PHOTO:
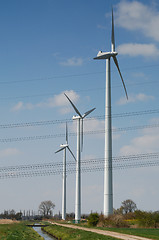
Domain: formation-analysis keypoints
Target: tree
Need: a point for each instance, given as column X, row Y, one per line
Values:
column 45, row 208
column 128, row 206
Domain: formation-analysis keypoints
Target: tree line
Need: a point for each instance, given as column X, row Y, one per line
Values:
column 11, row 214
column 128, row 215
column 45, row 210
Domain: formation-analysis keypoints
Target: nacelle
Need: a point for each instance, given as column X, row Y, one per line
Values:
column 105, row 55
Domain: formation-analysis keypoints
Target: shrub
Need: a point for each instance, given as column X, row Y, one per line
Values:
column 93, row 219
column 116, row 220
column 101, row 222
column 147, row 219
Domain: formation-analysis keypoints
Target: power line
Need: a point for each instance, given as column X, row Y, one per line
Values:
column 50, row 78
column 50, row 136
column 81, row 90
column 58, row 121
column 98, row 160
column 93, row 166
column 74, row 75
column 33, row 124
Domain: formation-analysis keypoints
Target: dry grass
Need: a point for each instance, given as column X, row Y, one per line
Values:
column 7, row 221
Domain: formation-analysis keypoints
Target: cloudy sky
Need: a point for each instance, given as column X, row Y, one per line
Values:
column 46, row 49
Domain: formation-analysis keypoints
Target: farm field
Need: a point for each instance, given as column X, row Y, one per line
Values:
column 17, row 231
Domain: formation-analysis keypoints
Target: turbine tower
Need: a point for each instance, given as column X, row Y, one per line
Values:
column 108, row 178
column 79, row 119
column 63, row 147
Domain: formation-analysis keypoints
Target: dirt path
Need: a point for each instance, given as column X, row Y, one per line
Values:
column 103, row 232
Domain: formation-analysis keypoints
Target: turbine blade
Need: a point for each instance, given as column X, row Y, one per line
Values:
column 88, row 112
column 117, row 65
column 82, row 135
column 76, row 110
column 66, row 134
column 71, row 153
column 113, row 36
column 60, row 149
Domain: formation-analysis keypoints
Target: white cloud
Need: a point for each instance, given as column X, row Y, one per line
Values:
column 101, row 27
column 9, row 152
column 134, row 15
column 135, row 49
column 17, row 107
column 146, row 143
column 72, row 62
column 91, row 125
column 140, row 75
column 21, row 106
column 115, row 136
column 60, row 100
column 141, row 97
column 56, row 54
column 56, row 101
column 29, row 106
column 96, row 126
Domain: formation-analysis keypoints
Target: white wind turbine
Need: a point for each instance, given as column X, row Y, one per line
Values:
column 79, row 119
column 63, row 147
column 108, row 183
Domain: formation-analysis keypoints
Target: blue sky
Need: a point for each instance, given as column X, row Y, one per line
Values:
column 46, row 49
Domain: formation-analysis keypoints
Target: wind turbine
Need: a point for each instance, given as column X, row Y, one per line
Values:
column 108, row 179
column 64, row 147
column 79, row 119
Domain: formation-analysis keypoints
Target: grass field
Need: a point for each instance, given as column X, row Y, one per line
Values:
column 17, row 231
column 142, row 232
column 73, row 234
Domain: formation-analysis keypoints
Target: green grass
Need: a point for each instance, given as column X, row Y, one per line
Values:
column 142, row 232
column 74, row 234
column 18, row 231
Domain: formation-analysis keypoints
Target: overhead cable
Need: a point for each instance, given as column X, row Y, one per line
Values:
column 50, row 136
column 116, row 159
column 84, row 169
column 73, row 75
column 59, row 121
